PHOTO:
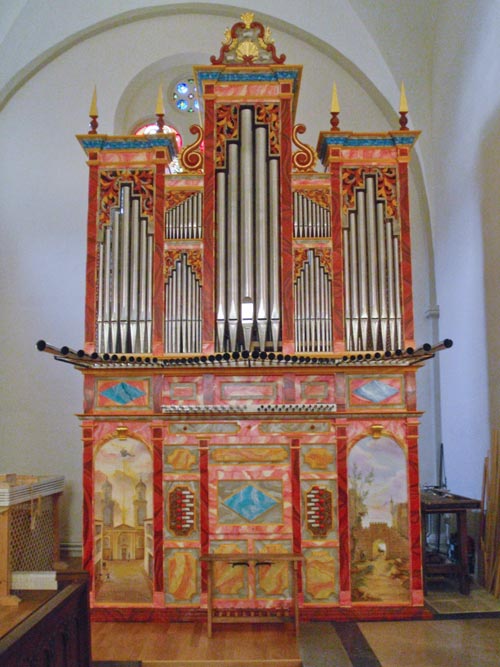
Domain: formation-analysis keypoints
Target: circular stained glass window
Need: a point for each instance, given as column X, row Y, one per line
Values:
column 184, row 95
column 152, row 128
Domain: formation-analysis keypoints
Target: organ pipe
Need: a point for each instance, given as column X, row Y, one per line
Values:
column 313, row 311
column 183, row 221
column 310, row 219
column 182, row 309
column 371, row 273
column 125, row 279
column 248, row 258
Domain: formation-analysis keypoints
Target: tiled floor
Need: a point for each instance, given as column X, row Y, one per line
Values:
column 471, row 642
column 465, row 632
column 443, row 599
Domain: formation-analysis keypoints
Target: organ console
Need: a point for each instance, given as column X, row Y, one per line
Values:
column 249, row 361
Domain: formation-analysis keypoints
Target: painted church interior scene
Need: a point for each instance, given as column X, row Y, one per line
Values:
column 272, row 459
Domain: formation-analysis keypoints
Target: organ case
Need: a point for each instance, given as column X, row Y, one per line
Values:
column 249, row 360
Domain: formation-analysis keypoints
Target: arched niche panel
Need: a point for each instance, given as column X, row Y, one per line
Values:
column 123, row 521
column 378, row 521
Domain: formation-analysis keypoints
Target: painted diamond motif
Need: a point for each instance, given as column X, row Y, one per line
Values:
column 376, row 391
column 122, row 393
column 250, row 503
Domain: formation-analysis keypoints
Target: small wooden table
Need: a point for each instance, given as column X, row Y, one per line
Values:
column 255, row 560
column 440, row 501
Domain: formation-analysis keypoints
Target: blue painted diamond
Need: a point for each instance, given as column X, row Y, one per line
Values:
column 375, row 391
column 122, row 393
column 250, row 502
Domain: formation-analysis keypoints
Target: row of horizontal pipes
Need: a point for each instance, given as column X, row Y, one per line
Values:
column 404, row 357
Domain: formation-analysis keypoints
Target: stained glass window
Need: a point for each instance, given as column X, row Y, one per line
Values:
column 185, row 95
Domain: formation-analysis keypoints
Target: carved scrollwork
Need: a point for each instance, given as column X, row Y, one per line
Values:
column 191, row 158
column 248, row 42
column 305, row 158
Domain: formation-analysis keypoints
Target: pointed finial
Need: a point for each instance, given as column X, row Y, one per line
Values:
column 334, row 109
column 335, row 100
column 160, row 110
column 403, row 108
column 93, row 113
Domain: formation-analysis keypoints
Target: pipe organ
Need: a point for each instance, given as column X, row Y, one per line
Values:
column 248, row 244
column 249, row 363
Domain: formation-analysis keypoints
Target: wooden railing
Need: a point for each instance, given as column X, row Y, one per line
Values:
column 55, row 635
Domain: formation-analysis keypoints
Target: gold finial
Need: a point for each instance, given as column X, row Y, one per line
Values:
column 334, row 110
column 335, row 100
column 93, row 113
column 247, row 19
column 160, row 110
column 403, row 102
column 403, row 108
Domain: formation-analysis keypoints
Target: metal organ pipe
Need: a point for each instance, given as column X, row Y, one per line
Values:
column 221, row 258
column 373, row 282
column 382, row 274
column 372, row 276
column 183, row 221
column 182, row 309
column 313, row 310
column 261, row 241
column 233, row 245
column 134, row 276
column 354, row 281
column 248, row 258
column 125, row 279
column 247, row 222
column 274, row 256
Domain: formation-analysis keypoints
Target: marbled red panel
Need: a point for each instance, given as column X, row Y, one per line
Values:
column 204, row 513
column 337, row 259
column 406, row 279
column 157, row 390
column 209, row 390
column 88, row 393
column 414, row 506
column 340, row 391
column 289, row 394
column 88, row 491
column 157, row 439
column 411, row 390
column 158, row 307
column 91, row 271
column 296, row 500
column 208, row 283
column 286, row 227
column 343, row 516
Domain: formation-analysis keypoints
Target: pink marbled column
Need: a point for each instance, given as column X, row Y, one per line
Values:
column 286, row 223
column 406, row 277
column 208, row 280
column 337, row 254
column 204, row 514
column 158, row 306
column 157, row 439
column 91, row 270
column 343, row 514
column 88, row 493
column 414, row 509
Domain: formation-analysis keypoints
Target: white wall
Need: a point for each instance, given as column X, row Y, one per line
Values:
column 43, row 192
column 464, row 208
